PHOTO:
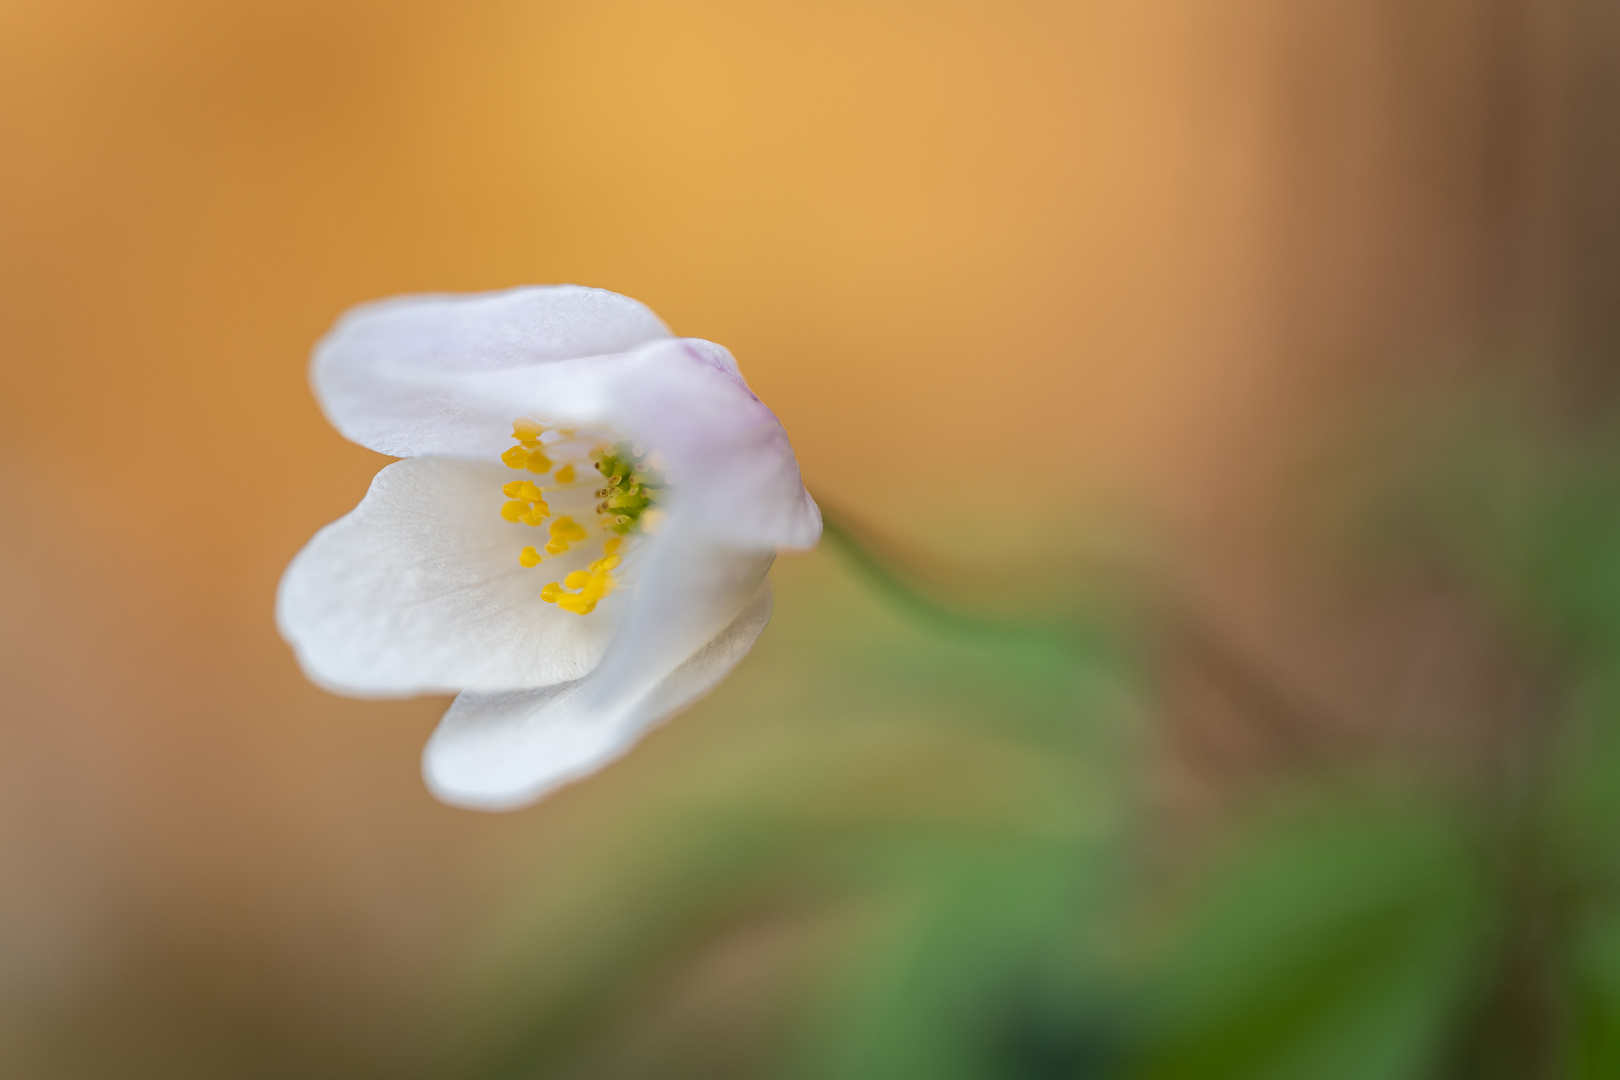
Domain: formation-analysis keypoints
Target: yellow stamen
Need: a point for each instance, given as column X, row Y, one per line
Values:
column 565, row 530
column 625, row 503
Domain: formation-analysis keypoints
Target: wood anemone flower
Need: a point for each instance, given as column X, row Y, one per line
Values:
column 575, row 541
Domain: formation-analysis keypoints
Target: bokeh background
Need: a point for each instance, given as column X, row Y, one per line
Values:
column 1221, row 393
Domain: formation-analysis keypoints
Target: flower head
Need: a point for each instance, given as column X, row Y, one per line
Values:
column 575, row 541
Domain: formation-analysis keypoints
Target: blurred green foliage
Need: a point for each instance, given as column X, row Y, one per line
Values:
column 917, row 825
column 930, row 851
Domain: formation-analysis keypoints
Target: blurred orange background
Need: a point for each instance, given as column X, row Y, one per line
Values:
column 983, row 259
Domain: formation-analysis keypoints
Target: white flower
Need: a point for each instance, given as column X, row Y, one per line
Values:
column 576, row 540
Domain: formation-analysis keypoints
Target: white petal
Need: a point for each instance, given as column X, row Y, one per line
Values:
column 419, row 589
column 448, row 374
column 727, row 460
column 386, row 373
column 686, row 589
column 502, row 751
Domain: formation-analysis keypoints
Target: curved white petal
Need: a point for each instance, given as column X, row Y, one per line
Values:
column 685, row 590
column 503, row 751
column 729, row 459
column 725, row 456
column 448, row 374
column 419, row 589
column 385, row 373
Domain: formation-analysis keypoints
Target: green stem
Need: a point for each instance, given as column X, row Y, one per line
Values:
column 917, row 602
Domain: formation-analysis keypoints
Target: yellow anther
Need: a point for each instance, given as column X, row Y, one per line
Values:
column 566, row 530
column 626, row 490
column 591, row 585
column 597, row 587
column 526, row 503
